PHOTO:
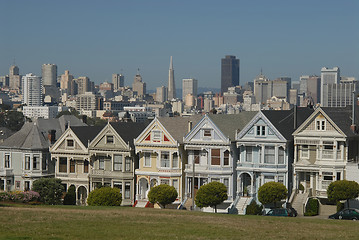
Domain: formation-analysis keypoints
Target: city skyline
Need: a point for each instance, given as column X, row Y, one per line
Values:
column 97, row 40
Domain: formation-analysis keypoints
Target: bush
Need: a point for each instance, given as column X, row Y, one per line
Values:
column 342, row 190
column 211, row 194
column 162, row 194
column 312, row 207
column 50, row 190
column 254, row 209
column 105, row 196
column 272, row 192
column 70, row 197
column 301, row 187
column 18, row 196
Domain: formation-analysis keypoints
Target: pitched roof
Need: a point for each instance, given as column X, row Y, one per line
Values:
column 129, row 130
column 342, row 117
column 86, row 133
column 229, row 124
column 34, row 135
column 178, row 126
column 283, row 120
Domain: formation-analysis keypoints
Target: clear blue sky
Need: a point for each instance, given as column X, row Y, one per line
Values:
column 98, row 38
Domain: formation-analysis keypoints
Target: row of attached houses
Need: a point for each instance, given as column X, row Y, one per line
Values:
column 243, row 151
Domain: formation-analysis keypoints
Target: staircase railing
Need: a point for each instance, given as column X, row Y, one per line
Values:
column 232, row 208
column 181, row 206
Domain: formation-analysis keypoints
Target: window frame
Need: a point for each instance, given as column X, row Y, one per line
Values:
column 7, row 160
column 249, row 154
column 68, row 141
column 226, row 157
column 111, row 138
column 128, row 164
column 165, row 161
column 147, row 159
column 27, row 162
column 215, row 157
column 36, row 162
column 261, row 130
column 117, row 162
column 269, row 155
column 61, row 166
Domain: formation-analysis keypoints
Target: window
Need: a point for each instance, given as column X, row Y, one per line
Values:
column 196, row 156
column 118, row 185
column 63, row 165
column 338, row 176
column 165, row 181
column 261, row 130
column 27, row 186
column 109, row 140
column 281, row 179
column 7, row 161
column 215, row 180
column 127, row 164
column 248, row 154
column 127, row 190
column 320, row 125
column 268, row 179
column 70, row 143
column 226, row 183
column 17, row 184
column 27, row 162
column 215, row 157
column 72, row 166
column 147, row 160
column 156, row 137
column 117, row 162
column 269, row 154
column 175, row 160
column 328, row 152
column 86, row 166
column 36, row 162
column 328, row 178
column 165, row 159
column 305, row 151
column 226, row 158
column 207, row 133
column 280, row 155
column 101, row 163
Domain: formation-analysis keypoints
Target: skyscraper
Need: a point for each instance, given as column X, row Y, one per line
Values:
column 49, row 74
column 161, row 94
column 229, row 72
column 189, row 86
column 138, row 86
column 328, row 76
column 118, row 81
column 32, row 90
column 66, row 81
column 14, row 78
column 171, row 82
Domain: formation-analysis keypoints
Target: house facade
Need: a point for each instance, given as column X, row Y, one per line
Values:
column 323, row 146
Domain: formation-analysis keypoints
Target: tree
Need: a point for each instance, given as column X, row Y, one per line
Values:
column 70, row 197
column 211, row 194
column 162, row 194
column 342, row 190
column 12, row 120
column 272, row 192
column 105, row 196
column 50, row 190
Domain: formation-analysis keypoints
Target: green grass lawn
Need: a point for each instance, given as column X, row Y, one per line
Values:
column 70, row 222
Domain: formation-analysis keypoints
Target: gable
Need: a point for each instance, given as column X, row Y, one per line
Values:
column 206, row 132
column 68, row 142
column 108, row 138
column 156, row 134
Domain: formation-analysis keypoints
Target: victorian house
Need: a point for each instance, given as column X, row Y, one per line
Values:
column 113, row 158
column 212, row 154
column 71, row 155
column 265, row 147
column 323, row 146
column 25, row 156
column 162, row 156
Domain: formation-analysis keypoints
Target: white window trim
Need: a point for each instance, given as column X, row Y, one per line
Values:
column 113, row 139
column 144, row 159
column 261, row 130
column 319, row 123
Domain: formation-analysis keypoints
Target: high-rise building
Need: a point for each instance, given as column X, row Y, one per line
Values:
column 262, row 88
column 49, row 74
column 14, row 78
column 339, row 94
column 328, row 76
column 118, row 81
column 83, row 85
column 66, row 81
column 171, row 82
column 189, row 86
column 229, row 73
column 313, row 88
column 138, row 86
column 32, row 90
column 161, row 94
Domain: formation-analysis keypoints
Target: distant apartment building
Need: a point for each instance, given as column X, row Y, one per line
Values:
column 32, row 90
column 339, row 94
column 14, row 78
column 189, row 86
column 106, row 86
column 328, row 76
column 83, row 85
column 265, row 89
column 161, row 94
column 49, row 74
column 118, row 80
column 46, row 112
column 66, row 81
column 313, row 89
column 88, row 101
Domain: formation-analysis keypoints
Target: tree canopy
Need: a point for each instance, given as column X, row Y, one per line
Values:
column 272, row 192
column 211, row 194
column 50, row 190
column 342, row 190
column 162, row 194
column 12, row 120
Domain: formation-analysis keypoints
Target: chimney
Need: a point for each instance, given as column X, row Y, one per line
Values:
column 84, row 119
column 189, row 126
column 52, row 136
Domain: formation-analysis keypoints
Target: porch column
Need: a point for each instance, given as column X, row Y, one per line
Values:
column 239, row 186
column 252, row 183
column 295, row 153
column 311, row 180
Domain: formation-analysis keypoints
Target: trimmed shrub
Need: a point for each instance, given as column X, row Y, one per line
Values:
column 105, row 196
column 50, row 190
column 162, row 194
column 272, row 192
column 211, row 194
column 70, row 197
column 342, row 190
column 254, row 209
column 312, row 207
column 301, row 187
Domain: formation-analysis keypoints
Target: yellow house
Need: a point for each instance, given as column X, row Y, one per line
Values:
column 162, row 157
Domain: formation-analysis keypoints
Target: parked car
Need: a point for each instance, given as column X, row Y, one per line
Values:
column 347, row 214
column 282, row 212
